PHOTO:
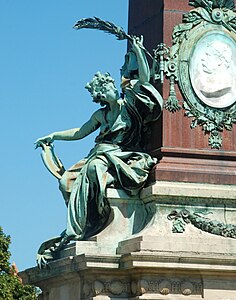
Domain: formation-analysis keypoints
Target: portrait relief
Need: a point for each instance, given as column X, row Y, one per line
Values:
column 213, row 70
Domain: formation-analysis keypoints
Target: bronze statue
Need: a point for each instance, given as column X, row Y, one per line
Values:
column 117, row 159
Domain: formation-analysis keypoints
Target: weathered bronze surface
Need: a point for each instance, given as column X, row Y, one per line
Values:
column 118, row 158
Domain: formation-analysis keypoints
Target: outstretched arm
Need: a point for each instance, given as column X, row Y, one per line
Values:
column 143, row 67
column 72, row 134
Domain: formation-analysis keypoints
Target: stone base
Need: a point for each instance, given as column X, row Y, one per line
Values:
column 131, row 259
column 188, row 165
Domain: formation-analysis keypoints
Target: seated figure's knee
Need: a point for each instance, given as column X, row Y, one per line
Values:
column 94, row 166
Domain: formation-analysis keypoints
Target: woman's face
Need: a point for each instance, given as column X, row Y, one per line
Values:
column 109, row 92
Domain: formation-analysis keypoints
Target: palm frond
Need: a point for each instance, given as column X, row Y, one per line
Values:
column 106, row 26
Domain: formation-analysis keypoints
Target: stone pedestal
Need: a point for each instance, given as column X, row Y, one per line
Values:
column 138, row 256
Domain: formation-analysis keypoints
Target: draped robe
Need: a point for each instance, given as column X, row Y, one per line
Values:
column 113, row 161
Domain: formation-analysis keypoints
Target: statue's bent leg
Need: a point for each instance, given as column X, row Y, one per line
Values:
column 98, row 208
column 68, row 178
column 84, row 192
column 66, row 183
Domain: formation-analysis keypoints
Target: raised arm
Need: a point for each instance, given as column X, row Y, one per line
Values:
column 143, row 67
column 73, row 134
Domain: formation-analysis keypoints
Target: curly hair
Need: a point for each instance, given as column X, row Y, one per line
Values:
column 97, row 85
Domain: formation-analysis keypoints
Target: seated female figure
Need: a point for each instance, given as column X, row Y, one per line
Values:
column 117, row 158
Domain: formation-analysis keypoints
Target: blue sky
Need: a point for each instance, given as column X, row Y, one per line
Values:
column 45, row 65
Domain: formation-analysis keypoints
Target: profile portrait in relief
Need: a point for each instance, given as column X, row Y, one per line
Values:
column 213, row 70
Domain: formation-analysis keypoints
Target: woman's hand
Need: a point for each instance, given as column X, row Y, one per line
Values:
column 143, row 67
column 137, row 43
column 48, row 139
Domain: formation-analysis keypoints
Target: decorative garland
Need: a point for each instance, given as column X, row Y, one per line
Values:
column 183, row 217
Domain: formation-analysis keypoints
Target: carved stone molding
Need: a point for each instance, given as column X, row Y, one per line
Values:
column 155, row 285
column 113, row 287
column 166, row 286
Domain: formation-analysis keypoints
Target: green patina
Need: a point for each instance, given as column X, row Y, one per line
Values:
column 118, row 158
